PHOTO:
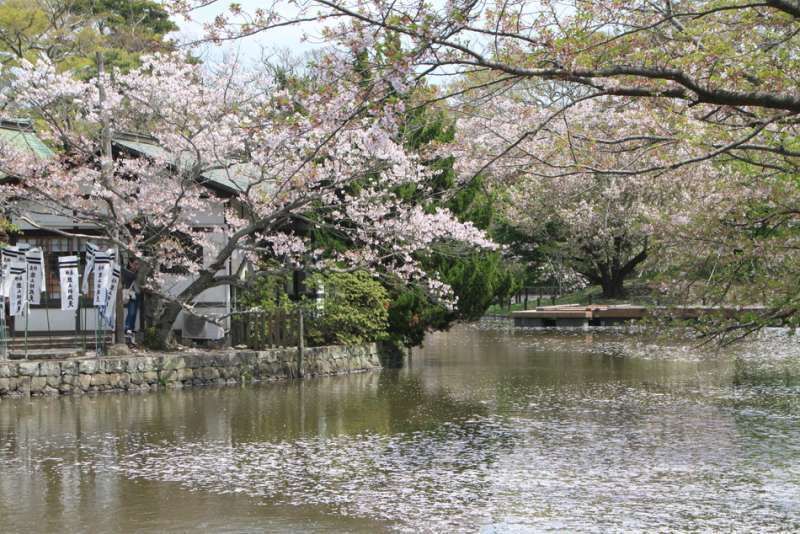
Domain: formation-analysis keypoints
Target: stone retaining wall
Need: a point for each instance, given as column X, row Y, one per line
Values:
column 174, row 370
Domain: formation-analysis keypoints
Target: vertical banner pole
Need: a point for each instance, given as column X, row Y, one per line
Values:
column 300, row 343
column 34, row 282
column 91, row 250
column 98, row 338
column 27, row 314
column 3, row 340
column 80, row 328
column 102, row 275
column 118, row 324
column 69, row 276
column 47, row 316
column 3, row 276
column 17, row 292
column 25, row 249
column 39, row 285
column 8, row 255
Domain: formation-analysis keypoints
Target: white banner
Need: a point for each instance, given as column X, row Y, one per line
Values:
column 110, row 296
column 34, row 259
column 8, row 255
column 68, row 276
column 18, row 291
column 91, row 250
column 102, row 275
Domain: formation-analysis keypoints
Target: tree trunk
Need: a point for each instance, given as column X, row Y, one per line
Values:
column 107, row 171
column 613, row 287
column 159, row 335
column 611, row 276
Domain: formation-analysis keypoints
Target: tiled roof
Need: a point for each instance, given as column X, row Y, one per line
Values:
column 19, row 135
column 235, row 178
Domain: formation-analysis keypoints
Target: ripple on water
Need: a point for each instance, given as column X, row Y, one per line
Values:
column 697, row 447
column 509, row 473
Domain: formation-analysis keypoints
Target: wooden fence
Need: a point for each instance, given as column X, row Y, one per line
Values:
column 260, row 330
column 533, row 297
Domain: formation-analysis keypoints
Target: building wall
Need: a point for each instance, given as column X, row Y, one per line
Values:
column 212, row 301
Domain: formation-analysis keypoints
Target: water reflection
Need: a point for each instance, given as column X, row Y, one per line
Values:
column 489, row 429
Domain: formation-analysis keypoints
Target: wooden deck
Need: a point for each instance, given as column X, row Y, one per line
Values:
column 578, row 315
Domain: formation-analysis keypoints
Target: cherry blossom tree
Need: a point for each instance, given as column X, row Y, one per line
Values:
column 734, row 62
column 324, row 156
column 569, row 182
column 726, row 71
column 728, row 66
column 736, row 244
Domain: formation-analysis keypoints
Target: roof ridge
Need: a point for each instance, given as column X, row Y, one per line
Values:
column 20, row 124
column 135, row 136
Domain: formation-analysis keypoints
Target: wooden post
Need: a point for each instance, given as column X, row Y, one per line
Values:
column 79, row 325
column 3, row 338
column 3, row 335
column 119, row 323
column 27, row 314
column 300, row 344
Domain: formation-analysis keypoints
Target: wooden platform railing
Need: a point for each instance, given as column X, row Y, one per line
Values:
column 261, row 330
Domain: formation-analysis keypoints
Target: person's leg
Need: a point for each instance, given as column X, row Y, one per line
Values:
column 130, row 317
column 136, row 304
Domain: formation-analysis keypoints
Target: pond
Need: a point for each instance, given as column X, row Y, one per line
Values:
column 487, row 429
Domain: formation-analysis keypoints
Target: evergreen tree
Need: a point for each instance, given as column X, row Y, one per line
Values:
column 71, row 32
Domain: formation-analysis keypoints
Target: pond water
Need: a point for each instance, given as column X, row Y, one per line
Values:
column 487, row 430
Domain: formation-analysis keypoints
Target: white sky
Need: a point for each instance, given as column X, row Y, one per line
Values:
column 249, row 48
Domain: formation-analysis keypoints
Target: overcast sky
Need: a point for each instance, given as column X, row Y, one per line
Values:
column 290, row 37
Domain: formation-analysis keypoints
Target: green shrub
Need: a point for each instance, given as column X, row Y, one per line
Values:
column 355, row 310
column 152, row 340
column 267, row 294
column 412, row 314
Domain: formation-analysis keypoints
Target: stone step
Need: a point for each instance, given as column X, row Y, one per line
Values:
column 55, row 344
column 49, row 354
column 17, row 344
column 53, row 340
column 63, row 350
column 21, row 337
